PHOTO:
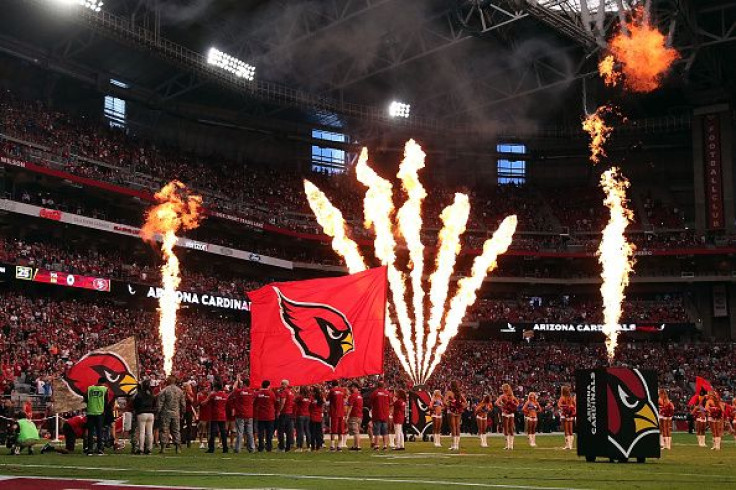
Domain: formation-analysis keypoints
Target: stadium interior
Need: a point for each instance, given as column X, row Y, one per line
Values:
column 101, row 107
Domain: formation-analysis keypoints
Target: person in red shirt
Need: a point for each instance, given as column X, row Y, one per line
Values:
column 302, row 402
column 380, row 408
column 218, row 405
column 286, row 417
column 73, row 429
column 336, row 399
column 204, row 417
column 399, row 418
column 265, row 411
column 242, row 408
column 316, row 410
column 355, row 415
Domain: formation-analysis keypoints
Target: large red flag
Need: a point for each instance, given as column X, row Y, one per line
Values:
column 320, row 329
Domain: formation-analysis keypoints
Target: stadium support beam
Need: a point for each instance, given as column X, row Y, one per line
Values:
column 310, row 21
column 438, row 32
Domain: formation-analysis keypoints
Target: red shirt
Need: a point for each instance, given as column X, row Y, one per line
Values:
column 287, row 396
column 315, row 411
column 380, row 404
column 77, row 424
column 337, row 402
column 205, row 410
column 264, row 407
column 356, row 405
column 399, row 411
column 242, row 400
column 302, row 406
column 218, row 404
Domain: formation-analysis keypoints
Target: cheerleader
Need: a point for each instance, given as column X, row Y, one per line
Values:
column 698, row 412
column 714, row 408
column 455, row 402
column 531, row 409
column 482, row 409
column 508, row 404
column 566, row 405
column 732, row 416
column 666, row 411
column 437, row 407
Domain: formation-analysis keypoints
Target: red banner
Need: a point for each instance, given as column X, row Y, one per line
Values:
column 318, row 330
column 713, row 171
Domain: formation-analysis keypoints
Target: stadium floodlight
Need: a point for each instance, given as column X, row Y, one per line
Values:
column 93, row 5
column 231, row 64
column 399, row 109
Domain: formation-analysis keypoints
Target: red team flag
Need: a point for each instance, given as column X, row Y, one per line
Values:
column 318, row 330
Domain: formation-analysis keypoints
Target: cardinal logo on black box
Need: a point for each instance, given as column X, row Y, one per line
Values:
column 421, row 417
column 632, row 413
column 321, row 332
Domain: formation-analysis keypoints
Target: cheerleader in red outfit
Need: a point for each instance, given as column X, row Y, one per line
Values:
column 482, row 409
column 438, row 406
column 714, row 407
column 456, row 403
column 732, row 416
column 566, row 405
column 666, row 411
column 508, row 404
column 699, row 413
column 531, row 409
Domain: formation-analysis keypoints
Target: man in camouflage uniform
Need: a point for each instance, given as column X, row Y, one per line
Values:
column 171, row 407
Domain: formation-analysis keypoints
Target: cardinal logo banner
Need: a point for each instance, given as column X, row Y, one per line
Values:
column 318, row 330
column 117, row 363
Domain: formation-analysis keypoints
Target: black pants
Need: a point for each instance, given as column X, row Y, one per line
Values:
column 187, row 429
column 286, row 432
column 95, row 424
column 265, row 435
column 316, row 439
column 216, row 427
column 70, row 438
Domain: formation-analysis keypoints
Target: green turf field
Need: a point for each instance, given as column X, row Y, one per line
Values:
column 421, row 466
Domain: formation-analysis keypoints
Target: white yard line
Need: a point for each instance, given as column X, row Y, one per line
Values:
column 407, row 481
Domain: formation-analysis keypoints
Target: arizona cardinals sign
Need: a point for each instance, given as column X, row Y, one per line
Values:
column 320, row 329
column 117, row 363
column 617, row 414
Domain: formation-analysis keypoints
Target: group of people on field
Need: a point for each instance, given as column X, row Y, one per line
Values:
column 248, row 418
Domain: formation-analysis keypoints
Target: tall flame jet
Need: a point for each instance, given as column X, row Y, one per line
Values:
column 176, row 210
column 419, row 347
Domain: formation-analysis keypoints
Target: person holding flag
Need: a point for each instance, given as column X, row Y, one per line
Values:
column 264, row 409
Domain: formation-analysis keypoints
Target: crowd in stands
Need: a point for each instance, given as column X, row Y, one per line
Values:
column 112, row 263
column 93, row 149
column 40, row 337
column 566, row 308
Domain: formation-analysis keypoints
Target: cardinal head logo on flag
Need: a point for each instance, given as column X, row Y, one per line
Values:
column 322, row 332
column 318, row 330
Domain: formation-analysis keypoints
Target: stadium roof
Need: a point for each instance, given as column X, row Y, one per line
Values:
column 475, row 61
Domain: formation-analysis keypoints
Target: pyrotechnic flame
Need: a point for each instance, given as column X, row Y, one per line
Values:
column 607, row 70
column 378, row 206
column 410, row 225
column 177, row 210
column 454, row 219
column 331, row 220
column 615, row 254
column 467, row 287
column 333, row 224
column 643, row 54
column 599, row 132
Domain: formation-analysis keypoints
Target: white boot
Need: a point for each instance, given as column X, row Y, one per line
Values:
column 437, row 441
column 661, row 441
column 701, row 441
column 534, row 440
column 669, row 443
column 531, row 440
column 507, row 442
column 718, row 443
